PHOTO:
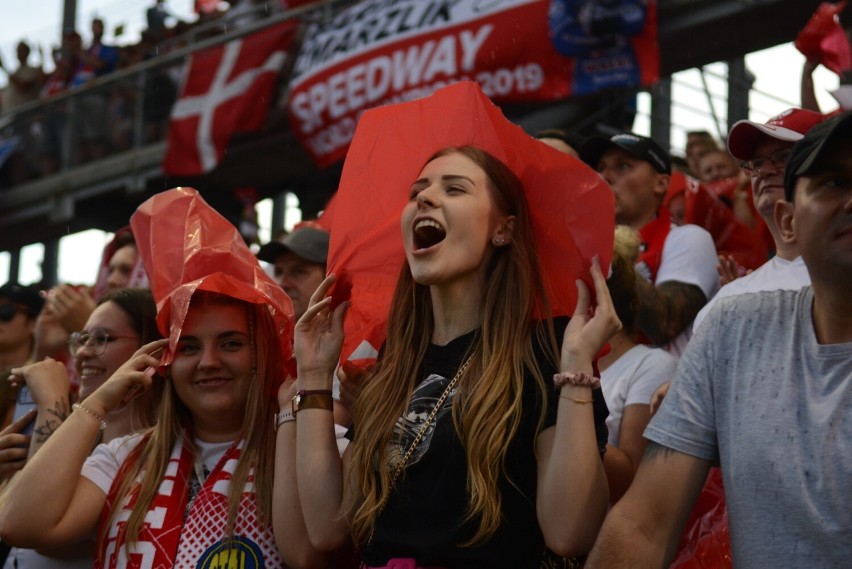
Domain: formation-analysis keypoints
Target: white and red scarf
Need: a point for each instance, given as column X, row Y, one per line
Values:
column 199, row 541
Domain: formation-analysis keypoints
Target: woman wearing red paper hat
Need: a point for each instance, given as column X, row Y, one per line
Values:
column 196, row 489
column 463, row 453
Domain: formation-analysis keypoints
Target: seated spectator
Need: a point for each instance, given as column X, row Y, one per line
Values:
column 677, row 266
column 630, row 372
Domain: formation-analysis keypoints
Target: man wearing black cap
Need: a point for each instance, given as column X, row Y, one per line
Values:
column 678, row 263
column 764, row 388
column 299, row 263
column 19, row 307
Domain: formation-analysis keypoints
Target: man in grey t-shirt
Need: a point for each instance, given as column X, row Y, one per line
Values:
column 765, row 388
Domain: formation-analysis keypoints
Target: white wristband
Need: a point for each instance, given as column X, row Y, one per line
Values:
column 284, row 416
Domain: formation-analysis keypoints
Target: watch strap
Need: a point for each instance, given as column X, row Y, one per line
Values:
column 316, row 399
column 285, row 416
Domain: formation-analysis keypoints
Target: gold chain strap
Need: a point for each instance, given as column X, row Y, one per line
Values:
column 419, row 437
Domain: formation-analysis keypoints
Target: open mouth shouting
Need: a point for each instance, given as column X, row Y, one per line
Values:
column 427, row 234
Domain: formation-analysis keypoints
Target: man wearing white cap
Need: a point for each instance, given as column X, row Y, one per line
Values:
column 764, row 150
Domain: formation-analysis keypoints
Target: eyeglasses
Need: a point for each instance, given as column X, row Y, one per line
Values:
column 778, row 159
column 97, row 340
column 8, row 311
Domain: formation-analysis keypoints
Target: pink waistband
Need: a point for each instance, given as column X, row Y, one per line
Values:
column 401, row 563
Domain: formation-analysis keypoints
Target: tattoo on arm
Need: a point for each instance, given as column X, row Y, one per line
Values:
column 656, row 450
column 56, row 417
column 666, row 310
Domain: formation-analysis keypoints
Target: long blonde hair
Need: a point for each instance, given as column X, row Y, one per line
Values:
column 488, row 406
column 258, row 450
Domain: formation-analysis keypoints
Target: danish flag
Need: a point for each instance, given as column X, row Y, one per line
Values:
column 227, row 89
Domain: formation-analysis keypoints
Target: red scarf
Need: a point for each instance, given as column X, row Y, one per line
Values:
column 166, row 540
column 653, row 235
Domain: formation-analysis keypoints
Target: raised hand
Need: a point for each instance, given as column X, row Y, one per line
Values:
column 590, row 327
column 129, row 380
column 47, row 380
column 71, row 306
column 14, row 446
column 318, row 338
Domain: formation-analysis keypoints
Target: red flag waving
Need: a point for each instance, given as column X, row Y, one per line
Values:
column 824, row 40
column 571, row 208
column 227, row 89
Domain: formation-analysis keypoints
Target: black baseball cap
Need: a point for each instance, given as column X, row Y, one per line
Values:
column 27, row 296
column 641, row 147
column 808, row 151
column 309, row 243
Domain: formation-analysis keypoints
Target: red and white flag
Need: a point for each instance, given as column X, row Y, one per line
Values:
column 227, row 89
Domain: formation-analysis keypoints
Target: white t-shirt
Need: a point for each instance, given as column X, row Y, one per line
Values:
column 775, row 274
column 631, row 380
column 102, row 465
column 689, row 256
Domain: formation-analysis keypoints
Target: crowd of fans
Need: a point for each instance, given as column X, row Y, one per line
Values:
column 104, row 119
column 726, row 319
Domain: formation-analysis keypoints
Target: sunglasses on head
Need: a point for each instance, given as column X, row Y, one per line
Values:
column 8, row 311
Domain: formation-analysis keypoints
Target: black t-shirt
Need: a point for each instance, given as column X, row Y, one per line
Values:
column 423, row 517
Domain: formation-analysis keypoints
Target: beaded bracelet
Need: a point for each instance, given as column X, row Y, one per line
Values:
column 89, row 412
column 575, row 378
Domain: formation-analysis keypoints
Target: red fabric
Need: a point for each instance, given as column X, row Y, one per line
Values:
column 730, row 235
column 653, row 235
column 187, row 246
column 572, row 209
column 823, row 39
column 706, row 540
column 199, row 540
column 227, row 89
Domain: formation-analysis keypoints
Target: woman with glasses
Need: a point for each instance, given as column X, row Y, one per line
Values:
column 123, row 321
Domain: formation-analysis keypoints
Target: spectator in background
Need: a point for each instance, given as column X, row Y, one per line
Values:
column 562, row 140
column 765, row 388
column 676, row 273
column 698, row 143
column 630, row 372
column 53, row 119
column 19, row 307
column 717, row 165
column 24, row 83
column 299, row 263
column 95, row 61
column 764, row 150
column 156, row 17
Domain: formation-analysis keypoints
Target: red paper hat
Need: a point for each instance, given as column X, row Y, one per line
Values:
column 789, row 126
column 571, row 207
column 187, row 246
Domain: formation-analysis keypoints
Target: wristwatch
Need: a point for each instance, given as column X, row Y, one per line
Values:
column 312, row 399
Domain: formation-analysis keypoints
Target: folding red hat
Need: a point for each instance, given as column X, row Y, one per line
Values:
column 790, row 126
column 187, row 246
column 571, row 207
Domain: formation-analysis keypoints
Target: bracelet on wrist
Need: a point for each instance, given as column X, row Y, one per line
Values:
column 90, row 413
column 578, row 378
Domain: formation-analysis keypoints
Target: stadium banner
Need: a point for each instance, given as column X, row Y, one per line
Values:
column 379, row 52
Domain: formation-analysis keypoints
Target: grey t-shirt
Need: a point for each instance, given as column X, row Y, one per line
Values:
column 757, row 391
